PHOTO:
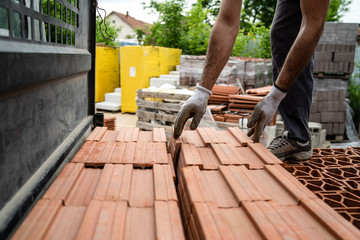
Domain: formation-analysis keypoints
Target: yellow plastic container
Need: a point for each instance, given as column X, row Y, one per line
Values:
column 107, row 71
column 137, row 65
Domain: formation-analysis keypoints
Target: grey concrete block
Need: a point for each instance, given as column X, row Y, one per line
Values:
column 332, row 117
column 328, row 128
column 322, row 137
column 342, row 94
column 315, row 117
column 323, row 56
column 313, row 108
column 341, row 128
column 344, row 56
column 335, row 128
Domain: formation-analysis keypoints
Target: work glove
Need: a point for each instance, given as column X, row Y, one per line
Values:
column 194, row 107
column 264, row 112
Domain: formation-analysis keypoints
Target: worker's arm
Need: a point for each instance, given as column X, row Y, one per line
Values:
column 222, row 39
column 312, row 25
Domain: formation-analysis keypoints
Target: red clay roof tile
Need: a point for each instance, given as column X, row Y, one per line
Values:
column 168, row 221
column 67, row 223
column 39, row 220
column 63, row 184
column 97, row 134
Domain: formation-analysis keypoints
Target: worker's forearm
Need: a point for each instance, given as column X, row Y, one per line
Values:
column 298, row 57
column 221, row 43
column 222, row 39
column 313, row 18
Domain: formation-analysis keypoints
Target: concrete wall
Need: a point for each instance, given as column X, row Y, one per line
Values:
column 46, row 97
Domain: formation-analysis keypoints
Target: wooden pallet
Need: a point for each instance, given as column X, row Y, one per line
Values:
column 344, row 76
column 158, row 109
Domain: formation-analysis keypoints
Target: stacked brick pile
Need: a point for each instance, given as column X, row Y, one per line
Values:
column 119, row 185
column 335, row 51
column 329, row 109
column 334, row 176
column 232, row 188
column 251, row 72
column 109, row 122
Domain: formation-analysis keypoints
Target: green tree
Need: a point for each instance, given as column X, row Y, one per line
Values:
column 257, row 12
column 354, row 96
column 197, row 30
column 106, row 35
column 168, row 30
column 212, row 5
column 337, row 9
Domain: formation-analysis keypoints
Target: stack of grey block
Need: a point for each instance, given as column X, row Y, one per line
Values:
column 250, row 72
column 333, row 64
column 335, row 51
column 329, row 109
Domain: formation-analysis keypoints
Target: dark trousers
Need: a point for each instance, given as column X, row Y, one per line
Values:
column 295, row 107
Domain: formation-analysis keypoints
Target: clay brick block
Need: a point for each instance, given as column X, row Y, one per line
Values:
column 39, row 220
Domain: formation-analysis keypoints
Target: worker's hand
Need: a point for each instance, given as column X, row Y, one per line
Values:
column 194, row 107
column 263, row 113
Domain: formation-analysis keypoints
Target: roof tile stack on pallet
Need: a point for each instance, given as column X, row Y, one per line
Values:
column 232, row 188
column 238, row 106
column 334, row 176
column 120, row 185
column 329, row 109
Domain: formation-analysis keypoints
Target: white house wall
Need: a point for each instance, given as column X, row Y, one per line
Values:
column 126, row 30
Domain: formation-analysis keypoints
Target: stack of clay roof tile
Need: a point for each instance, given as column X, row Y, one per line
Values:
column 220, row 94
column 262, row 91
column 109, row 122
column 119, row 185
column 232, row 188
column 334, row 176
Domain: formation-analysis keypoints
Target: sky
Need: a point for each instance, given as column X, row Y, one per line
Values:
column 136, row 10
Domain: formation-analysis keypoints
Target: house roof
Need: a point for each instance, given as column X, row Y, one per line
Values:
column 133, row 22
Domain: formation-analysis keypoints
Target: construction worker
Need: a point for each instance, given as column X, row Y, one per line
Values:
column 295, row 32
